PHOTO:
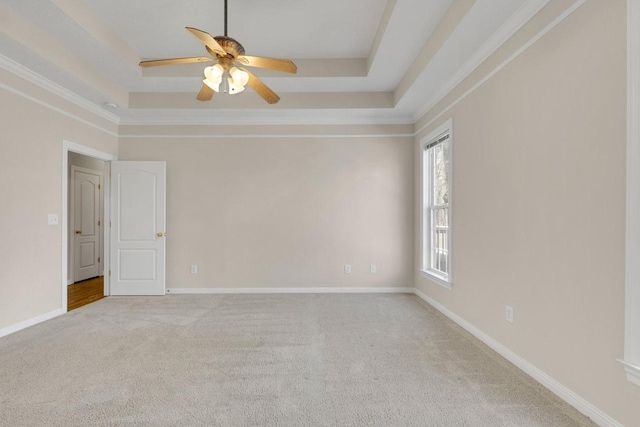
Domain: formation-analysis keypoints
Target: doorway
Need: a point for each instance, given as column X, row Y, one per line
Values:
column 86, row 198
column 85, row 214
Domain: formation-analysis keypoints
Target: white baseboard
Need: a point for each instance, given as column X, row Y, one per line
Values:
column 558, row 389
column 22, row 325
column 322, row 290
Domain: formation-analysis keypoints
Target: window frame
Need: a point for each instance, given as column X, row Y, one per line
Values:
column 631, row 361
column 444, row 280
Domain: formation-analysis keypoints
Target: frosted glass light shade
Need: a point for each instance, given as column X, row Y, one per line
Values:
column 213, row 76
column 234, row 88
column 240, row 78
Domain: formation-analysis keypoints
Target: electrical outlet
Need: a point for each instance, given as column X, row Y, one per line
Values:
column 52, row 219
column 373, row 269
column 194, row 269
column 509, row 313
column 347, row 269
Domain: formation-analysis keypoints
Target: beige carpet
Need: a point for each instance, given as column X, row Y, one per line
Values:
column 264, row 360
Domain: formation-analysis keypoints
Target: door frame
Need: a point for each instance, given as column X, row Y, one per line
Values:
column 68, row 146
column 100, row 174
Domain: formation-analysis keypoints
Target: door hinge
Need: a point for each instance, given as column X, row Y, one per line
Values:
column 109, row 272
column 109, row 223
column 99, row 186
column 98, row 259
column 98, row 223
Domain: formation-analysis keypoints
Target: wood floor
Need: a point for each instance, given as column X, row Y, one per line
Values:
column 85, row 292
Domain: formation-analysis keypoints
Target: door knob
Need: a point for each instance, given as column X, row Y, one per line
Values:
column 78, row 231
column 160, row 234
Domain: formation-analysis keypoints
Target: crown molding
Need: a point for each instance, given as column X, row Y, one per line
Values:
column 280, row 136
column 504, row 33
column 310, row 117
column 506, row 62
column 35, row 78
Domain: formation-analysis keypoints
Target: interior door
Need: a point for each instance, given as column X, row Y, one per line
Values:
column 86, row 218
column 137, row 228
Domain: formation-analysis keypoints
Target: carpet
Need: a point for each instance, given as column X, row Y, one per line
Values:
column 264, row 360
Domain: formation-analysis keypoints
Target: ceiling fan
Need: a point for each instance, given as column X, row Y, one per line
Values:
column 229, row 55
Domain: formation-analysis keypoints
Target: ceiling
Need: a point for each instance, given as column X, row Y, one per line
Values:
column 359, row 61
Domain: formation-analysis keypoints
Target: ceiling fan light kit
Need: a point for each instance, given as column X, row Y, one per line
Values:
column 230, row 58
column 213, row 76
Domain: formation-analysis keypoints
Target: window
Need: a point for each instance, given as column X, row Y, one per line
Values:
column 436, row 205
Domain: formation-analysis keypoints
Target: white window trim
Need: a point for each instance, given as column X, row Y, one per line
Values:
column 445, row 282
column 631, row 360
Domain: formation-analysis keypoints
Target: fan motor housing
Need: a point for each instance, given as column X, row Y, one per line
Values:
column 231, row 46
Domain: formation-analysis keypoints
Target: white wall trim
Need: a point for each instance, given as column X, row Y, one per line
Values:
column 35, row 78
column 56, row 109
column 596, row 415
column 446, row 126
column 430, row 276
column 631, row 360
column 450, row 86
column 68, row 146
column 30, row 322
column 497, row 39
column 310, row 135
column 228, row 117
column 633, row 372
column 316, row 290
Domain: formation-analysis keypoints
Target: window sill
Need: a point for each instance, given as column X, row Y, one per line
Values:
column 437, row 279
column 633, row 372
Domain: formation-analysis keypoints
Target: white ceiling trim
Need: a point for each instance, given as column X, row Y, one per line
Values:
column 441, row 33
column 91, row 23
column 56, row 109
column 340, row 117
column 504, row 33
column 281, row 136
column 311, row 117
column 513, row 56
column 48, row 85
column 382, row 28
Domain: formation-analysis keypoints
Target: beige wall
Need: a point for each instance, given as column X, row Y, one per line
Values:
column 285, row 211
column 539, row 159
column 539, row 207
column 31, row 188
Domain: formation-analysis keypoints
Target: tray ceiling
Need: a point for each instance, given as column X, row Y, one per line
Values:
column 358, row 60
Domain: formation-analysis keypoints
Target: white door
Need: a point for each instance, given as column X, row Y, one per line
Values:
column 137, row 228
column 86, row 219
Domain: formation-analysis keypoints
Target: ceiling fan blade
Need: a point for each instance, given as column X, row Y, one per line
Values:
column 277, row 64
column 205, row 94
column 208, row 40
column 261, row 88
column 173, row 61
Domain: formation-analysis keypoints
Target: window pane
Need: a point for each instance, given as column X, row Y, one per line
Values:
column 440, row 175
column 439, row 239
column 436, row 200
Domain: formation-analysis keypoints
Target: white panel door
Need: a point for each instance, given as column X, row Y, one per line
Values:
column 86, row 217
column 137, row 228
